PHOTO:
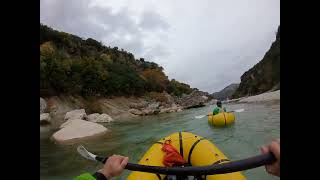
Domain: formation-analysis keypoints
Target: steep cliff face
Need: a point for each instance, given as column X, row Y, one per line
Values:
column 265, row 75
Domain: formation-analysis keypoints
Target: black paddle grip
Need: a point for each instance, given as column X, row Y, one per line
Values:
column 101, row 159
column 233, row 166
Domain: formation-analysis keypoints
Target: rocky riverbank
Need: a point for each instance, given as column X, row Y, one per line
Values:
column 268, row 96
column 78, row 118
column 264, row 97
column 120, row 107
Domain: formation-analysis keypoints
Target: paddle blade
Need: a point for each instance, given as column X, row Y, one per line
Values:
column 239, row 110
column 201, row 116
column 84, row 153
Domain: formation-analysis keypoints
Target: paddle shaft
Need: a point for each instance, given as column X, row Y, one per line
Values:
column 202, row 116
column 208, row 114
column 233, row 166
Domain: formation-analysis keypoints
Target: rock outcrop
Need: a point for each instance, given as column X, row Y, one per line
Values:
column 263, row 76
column 193, row 100
column 211, row 102
column 155, row 108
column 164, row 103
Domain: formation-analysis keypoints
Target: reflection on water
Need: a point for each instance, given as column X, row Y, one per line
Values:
column 256, row 126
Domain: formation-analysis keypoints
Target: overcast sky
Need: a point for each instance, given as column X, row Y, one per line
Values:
column 208, row 44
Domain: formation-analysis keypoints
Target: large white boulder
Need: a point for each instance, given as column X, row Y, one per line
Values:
column 76, row 129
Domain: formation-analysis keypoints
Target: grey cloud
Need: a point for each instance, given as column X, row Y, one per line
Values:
column 100, row 23
column 153, row 21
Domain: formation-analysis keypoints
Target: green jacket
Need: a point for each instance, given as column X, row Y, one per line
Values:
column 85, row 176
column 88, row 176
column 217, row 110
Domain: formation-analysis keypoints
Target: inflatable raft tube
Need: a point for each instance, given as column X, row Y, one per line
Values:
column 222, row 119
column 195, row 150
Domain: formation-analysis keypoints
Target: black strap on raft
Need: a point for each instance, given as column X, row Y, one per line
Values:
column 191, row 150
column 181, row 144
column 233, row 166
column 225, row 119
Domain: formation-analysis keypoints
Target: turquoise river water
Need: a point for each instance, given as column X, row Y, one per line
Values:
column 256, row 126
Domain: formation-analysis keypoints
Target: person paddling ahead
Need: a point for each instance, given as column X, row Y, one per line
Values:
column 219, row 108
